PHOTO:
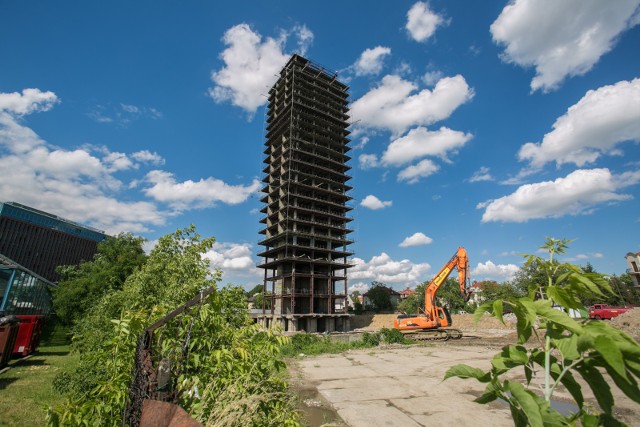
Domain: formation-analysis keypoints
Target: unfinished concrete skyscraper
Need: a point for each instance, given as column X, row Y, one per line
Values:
column 305, row 256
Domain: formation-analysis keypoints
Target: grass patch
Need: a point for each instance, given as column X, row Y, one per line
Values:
column 311, row 344
column 27, row 387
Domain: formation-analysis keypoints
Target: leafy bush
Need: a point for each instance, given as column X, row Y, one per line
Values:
column 225, row 370
column 392, row 336
column 565, row 349
column 370, row 340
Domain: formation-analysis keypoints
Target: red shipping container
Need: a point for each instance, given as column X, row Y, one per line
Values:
column 8, row 334
column 28, row 338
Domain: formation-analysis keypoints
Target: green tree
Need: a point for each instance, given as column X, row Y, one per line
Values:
column 563, row 348
column 491, row 290
column 257, row 289
column 262, row 298
column 449, row 295
column 81, row 286
column 414, row 303
column 379, row 297
column 229, row 369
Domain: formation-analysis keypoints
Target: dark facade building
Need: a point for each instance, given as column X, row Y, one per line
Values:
column 40, row 241
column 306, row 223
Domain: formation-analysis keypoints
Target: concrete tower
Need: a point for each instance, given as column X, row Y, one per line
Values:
column 305, row 223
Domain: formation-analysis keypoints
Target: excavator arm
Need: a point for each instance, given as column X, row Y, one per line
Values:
column 460, row 262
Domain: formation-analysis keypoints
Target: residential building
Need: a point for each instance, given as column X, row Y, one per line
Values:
column 633, row 260
column 394, row 297
column 406, row 293
column 40, row 241
column 305, row 202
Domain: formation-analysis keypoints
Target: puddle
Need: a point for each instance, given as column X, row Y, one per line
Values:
column 315, row 410
column 565, row 408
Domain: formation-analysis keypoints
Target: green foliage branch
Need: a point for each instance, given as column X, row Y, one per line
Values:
column 225, row 370
column 563, row 351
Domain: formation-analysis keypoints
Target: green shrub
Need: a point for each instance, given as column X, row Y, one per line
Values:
column 370, row 340
column 392, row 336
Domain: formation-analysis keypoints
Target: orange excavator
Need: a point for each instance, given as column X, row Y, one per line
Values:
column 432, row 323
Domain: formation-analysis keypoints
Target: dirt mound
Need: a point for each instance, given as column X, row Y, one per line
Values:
column 629, row 322
column 372, row 322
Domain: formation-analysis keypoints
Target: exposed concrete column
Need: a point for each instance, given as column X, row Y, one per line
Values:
column 331, row 324
column 312, row 325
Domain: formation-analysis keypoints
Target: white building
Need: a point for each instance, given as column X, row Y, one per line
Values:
column 633, row 260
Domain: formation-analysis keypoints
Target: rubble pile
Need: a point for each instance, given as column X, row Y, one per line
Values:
column 629, row 322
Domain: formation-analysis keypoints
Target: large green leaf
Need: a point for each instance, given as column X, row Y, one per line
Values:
column 526, row 401
column 516, row 353
column 481, row 310
column 611, row 354
column 569, row 381
column 523, row 325
column 545, row 311
column 584, row 282
column 627, row 384
column 466, row 371
column 599, row 386
column 568, row 346
column 564, row 297
column 491, row 393
column 497, row 310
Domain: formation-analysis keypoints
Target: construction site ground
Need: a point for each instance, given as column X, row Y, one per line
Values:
column 398, row 385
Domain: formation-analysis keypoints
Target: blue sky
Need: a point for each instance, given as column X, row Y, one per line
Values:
column 488, row 125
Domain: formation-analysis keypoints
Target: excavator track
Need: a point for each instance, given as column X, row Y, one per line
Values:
column 439, row 334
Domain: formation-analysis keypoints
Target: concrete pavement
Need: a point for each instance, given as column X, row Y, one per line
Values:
column 404, row 387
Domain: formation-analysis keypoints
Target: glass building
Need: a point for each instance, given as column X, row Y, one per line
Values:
column 23, row 292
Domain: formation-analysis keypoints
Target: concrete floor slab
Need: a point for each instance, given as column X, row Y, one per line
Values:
column 374, row 413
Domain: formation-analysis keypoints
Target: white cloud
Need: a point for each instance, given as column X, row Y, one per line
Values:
column 491, row 271
column 482, row 174
column 584, row 257
column 561, row 38
column 27, row 102
column 122, row 114
column 202, row 193
column 117, row 162
column 430, row 78
column 392, row 106
column 363, row 141
column 578, row 193
column 417, row 239
column 360, row 287
column 596, row 125
column 371, row 61
column 74, row 184
column 305, row 38
column 82, row 184
column 252, row 65
column 368, row 161
column 373, row 203
column 422, row 22
column 233, row 257
column 421, row 142
column 383, row 269
column 423, row 169
column 146, row 156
